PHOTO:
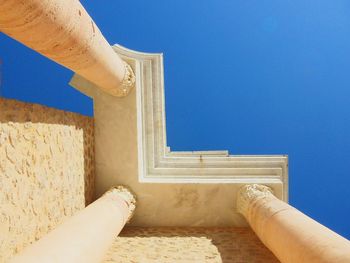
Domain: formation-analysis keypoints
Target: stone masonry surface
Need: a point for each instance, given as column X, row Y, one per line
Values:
column 46, row 171
column 184, row 244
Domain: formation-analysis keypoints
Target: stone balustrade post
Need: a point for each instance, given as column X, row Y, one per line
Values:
column 291, row 235
column 63, row 31
column 86, row 236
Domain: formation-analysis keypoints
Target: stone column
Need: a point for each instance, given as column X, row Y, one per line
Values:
column 86, row 236
column 63, row 31
column 288, row 233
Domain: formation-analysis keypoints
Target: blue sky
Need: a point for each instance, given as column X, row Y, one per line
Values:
column 253, row 77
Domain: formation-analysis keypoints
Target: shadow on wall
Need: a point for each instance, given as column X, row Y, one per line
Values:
column 46, row 171
column 188, row 244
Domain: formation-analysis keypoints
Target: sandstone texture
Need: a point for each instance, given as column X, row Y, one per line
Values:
column 46, row 171
column 190, row 245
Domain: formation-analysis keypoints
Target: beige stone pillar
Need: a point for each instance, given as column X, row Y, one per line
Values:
column 86, row 236
column 63, row 31
column 288, row 233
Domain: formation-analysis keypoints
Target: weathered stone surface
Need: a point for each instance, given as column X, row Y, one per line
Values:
column 46, row 171
column 168, row 245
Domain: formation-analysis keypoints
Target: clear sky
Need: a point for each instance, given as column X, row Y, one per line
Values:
column 250, row 76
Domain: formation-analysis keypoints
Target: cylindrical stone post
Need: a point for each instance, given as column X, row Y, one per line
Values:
column 86, row 236
column 289, row 234
column 63, row 31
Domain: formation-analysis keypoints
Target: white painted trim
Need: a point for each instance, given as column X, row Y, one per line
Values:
column 157, row 164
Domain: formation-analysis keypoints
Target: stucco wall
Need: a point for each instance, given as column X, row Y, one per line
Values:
column 46, row 171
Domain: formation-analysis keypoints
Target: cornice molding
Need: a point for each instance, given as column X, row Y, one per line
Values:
column 158, row 164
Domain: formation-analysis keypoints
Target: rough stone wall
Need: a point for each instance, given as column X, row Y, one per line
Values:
column 46, row 171
column 184, row 244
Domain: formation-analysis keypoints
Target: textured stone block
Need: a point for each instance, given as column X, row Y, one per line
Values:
column 46, row 171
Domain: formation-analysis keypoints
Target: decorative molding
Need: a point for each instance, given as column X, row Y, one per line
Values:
column 127, row 83
column 249, row 193
column 158, row 164
column 126, row 194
